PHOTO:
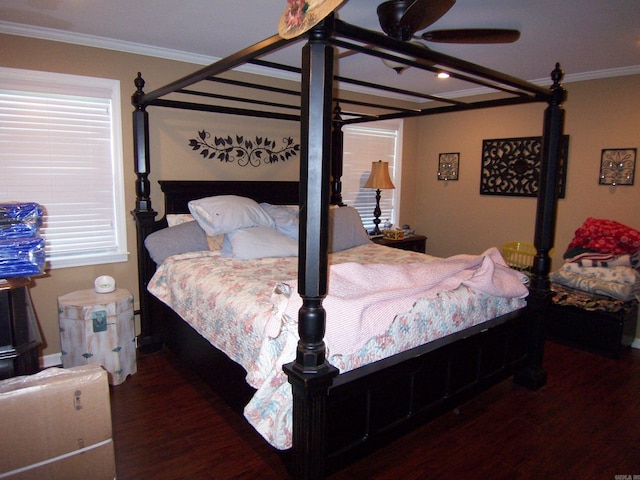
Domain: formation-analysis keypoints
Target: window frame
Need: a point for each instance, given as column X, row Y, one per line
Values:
column 49, row 83
column 395, row 171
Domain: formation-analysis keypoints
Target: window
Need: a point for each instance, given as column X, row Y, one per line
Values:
column 364, row 144
column 61, row 146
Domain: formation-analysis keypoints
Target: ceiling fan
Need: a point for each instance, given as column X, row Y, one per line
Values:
column 402, row 19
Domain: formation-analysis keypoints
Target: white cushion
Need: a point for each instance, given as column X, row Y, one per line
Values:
column 228, row 213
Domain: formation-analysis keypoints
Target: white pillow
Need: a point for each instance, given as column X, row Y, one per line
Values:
column 228, row 213
column 286, row 219
column 260, row 242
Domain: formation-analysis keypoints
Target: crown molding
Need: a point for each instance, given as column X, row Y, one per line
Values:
column 102, row 42
column 575, row 77
column 182, row 56
column 94, row 41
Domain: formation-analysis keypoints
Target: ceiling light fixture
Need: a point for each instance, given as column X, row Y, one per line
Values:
column 401, row 67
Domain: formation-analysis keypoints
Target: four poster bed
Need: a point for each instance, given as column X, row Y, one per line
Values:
column 342, row 412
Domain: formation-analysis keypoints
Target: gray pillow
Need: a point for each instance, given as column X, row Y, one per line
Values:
column 183, row 238
column 259, row 242
column 346, row 229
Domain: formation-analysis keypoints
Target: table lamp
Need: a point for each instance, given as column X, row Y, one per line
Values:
column 378, row 179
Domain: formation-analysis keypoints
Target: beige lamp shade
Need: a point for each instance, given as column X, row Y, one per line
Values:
column 379, row 178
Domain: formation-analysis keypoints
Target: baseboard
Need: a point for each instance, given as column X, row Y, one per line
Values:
column 636, row 343
column 51, row 360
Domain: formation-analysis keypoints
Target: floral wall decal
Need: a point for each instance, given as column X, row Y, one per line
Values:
column 244, row 152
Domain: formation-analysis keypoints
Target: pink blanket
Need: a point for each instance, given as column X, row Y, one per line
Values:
column 363, row 300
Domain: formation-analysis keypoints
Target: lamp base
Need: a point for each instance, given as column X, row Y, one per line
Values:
column 376, row 216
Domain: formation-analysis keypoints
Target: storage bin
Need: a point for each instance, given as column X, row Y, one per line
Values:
column 98, row 328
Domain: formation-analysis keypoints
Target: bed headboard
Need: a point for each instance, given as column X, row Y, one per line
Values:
column 178, row 193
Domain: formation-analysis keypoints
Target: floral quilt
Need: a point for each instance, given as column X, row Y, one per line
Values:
column 229, row 302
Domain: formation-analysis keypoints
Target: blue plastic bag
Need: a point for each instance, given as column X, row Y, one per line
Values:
column 19, row 220
column 21, row 257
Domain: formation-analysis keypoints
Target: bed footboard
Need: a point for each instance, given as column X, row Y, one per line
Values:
column 373, row 405
column 368, row 408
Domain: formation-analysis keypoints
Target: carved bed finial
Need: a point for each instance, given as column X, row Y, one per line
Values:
column 139, row 83
column 337, row 111
column 139, row 93
column 559, row 92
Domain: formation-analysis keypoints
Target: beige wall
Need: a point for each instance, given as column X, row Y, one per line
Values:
column 600, row 114
column 171, row 128
column 20, row 52
column 456, row 218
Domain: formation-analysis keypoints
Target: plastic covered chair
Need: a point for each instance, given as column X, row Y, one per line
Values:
column 519, row 255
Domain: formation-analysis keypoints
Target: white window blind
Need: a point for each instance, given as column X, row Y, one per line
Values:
column 364, row 144
column 60, row 146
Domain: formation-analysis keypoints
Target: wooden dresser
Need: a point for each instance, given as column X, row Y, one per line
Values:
column 19, row 334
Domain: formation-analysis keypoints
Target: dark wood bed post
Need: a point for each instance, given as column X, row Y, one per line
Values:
column 337, row 148
column 143, row 214
column 533, row 376
column 310, row 374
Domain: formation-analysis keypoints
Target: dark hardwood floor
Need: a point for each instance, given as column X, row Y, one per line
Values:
column 584, row 424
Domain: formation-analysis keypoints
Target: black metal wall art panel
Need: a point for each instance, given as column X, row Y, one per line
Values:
column 511, row 166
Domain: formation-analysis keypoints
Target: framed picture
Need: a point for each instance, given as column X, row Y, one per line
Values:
column 511, row 166
column 618, row 166
column 448, row 166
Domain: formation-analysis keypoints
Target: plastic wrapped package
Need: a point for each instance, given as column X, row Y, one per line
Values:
column 21, row 257
column 19, row 220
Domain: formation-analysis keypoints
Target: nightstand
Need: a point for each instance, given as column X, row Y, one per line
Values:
column 415, row 243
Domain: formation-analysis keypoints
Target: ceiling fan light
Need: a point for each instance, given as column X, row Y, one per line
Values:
column 398, row 67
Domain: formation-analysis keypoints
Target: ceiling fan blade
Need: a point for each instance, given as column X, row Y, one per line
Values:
column 472, row 35
column 400, row 19
column 422, row 13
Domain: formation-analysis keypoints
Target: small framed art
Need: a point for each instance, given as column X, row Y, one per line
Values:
column 618, row 166
column 448, row 164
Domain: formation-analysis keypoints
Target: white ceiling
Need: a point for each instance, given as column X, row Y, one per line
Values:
column 590, row 38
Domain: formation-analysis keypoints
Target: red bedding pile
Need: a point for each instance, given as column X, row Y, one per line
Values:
column 602, row 260
column 604, row 236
